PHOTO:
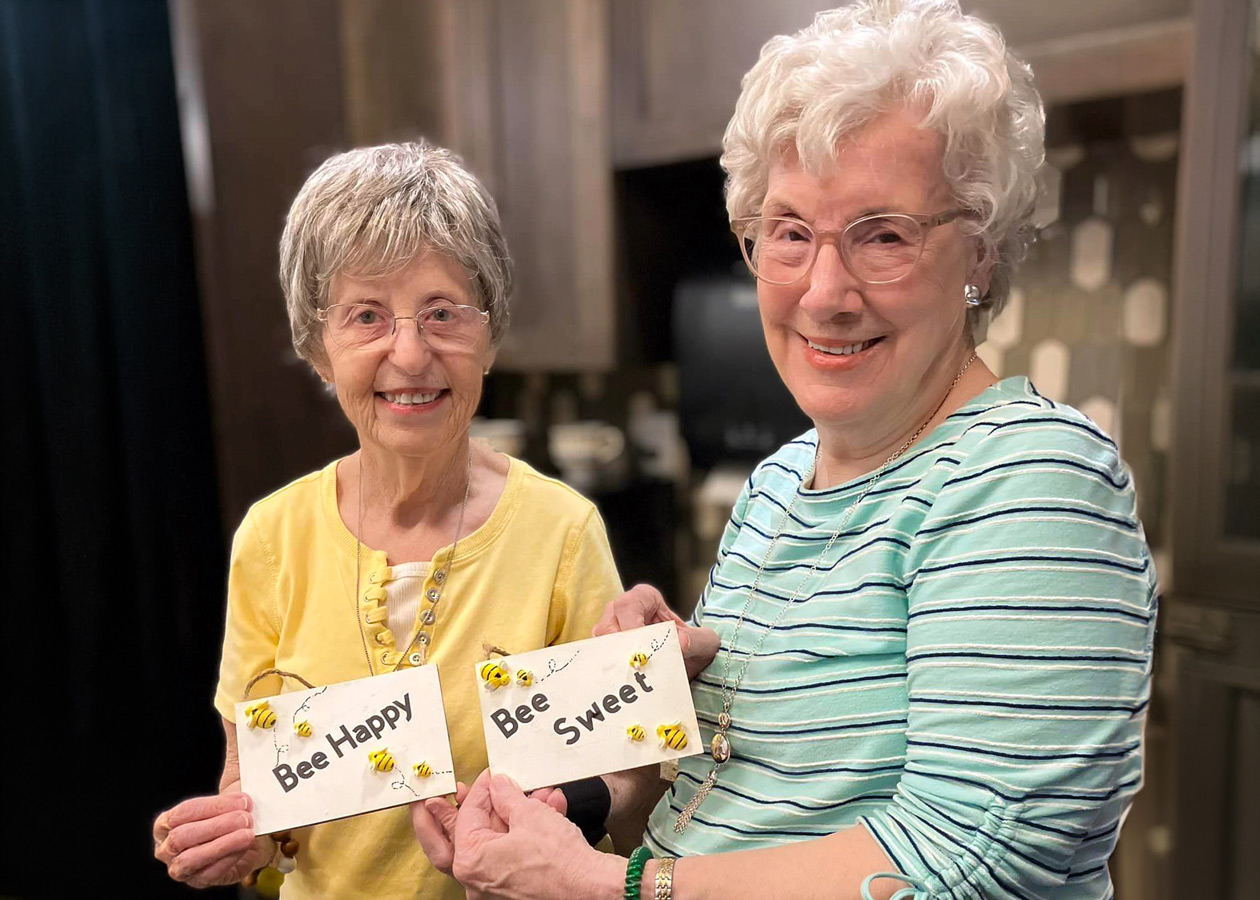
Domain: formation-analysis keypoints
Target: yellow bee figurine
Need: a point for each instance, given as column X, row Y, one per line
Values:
column 635, row 733
column 260, row 715
column 422, row 769
column 672, row 736
column 493, row 675
column 381, row 760
column 524, row 677
column 303, row 729
column 638, row 661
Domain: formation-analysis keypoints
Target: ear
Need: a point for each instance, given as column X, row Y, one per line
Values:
column 322, row 365
column 983, row 261
column 487, row 361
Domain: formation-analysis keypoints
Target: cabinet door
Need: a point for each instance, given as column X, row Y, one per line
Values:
column 1218, row 744
column 677, row 70
column 528, row 108
column 519, row 89
column 1216, row 472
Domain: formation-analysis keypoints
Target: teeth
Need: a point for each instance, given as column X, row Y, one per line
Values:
column 840, row 351
column 411, row 399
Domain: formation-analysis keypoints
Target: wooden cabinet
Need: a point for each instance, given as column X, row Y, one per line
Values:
column 677, row 69
column 260, row 98
column 1213, row 614
column 1216, row 539
column 677, row 66
column 553, row 182
column 519, row 88
column 1217, row 779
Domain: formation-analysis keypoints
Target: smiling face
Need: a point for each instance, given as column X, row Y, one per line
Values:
column 399, row 394
column 860, row 357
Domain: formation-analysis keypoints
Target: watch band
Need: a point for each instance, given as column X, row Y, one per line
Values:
column 665, row 879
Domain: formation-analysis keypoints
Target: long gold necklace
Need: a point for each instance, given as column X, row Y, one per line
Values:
column 434, row 594
column 720, row 746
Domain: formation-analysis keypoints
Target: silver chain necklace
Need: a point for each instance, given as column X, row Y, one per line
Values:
column 434, row 594
column 720, row 746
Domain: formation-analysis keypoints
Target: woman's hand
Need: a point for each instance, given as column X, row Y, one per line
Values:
column 209, row 841
column 511, row 846
column 644, row 605
column 433, row 821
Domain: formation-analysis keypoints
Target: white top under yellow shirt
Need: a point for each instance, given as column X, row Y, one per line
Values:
column 538, row 572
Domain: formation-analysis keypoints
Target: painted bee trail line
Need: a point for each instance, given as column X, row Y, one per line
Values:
column 552, row 668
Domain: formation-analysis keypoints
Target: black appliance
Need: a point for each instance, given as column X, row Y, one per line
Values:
column 732, row 404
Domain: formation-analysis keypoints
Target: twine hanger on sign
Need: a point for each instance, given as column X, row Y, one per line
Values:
column 282, row 859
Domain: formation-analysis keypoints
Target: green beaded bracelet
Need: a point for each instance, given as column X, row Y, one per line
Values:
column 634, row 872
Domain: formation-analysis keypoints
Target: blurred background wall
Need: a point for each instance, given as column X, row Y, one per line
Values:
column 150, row 149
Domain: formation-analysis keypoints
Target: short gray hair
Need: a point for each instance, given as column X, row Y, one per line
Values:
column 370, row 212
column 812, row 88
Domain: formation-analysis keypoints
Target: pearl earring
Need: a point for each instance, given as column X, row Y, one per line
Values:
column 971, row 295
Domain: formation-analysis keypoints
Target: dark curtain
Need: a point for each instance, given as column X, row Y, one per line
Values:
column 113, row 556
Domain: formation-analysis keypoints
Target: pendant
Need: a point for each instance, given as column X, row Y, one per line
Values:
column 684, row 817
column 720, row 748
column 724, row 721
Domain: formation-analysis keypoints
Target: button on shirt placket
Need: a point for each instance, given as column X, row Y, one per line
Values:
column 427, row 618
column 416, row 652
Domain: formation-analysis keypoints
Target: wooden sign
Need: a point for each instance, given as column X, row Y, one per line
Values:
column 344, row 749
column 588, row 708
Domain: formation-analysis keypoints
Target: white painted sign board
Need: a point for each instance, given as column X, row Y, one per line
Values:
column 297, row 780
column 571, row 714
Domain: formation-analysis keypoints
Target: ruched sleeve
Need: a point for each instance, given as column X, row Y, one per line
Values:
column 1031, row 609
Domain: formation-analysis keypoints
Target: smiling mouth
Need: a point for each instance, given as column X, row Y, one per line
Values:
column 846, row 350
column 410, row 398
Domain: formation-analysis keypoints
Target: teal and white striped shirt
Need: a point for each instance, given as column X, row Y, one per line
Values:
column 966, row 674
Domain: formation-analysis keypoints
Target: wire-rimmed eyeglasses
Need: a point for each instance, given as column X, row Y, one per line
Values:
column 877, row 249
column 443, row 326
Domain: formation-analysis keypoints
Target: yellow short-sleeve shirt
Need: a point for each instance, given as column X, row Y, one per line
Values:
column 537, row 573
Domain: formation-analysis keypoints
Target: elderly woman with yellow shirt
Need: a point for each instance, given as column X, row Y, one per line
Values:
column 421, row 546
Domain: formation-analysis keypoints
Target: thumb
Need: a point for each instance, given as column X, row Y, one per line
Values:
column 699, row 648
column 444, row 814
column 434, row 832
column 508, row 799
column 476, row 810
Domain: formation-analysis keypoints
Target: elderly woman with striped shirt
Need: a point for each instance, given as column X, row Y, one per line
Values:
column 935, row 609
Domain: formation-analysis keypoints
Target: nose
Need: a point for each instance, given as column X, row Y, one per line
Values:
column 832, row 289
column 408, row 350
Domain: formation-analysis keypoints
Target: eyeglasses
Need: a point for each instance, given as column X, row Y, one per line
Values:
column 876, row 249
column 443, row 326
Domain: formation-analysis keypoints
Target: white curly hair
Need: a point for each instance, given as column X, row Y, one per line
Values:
column 810, row 89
